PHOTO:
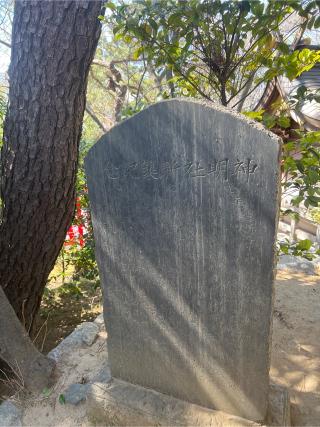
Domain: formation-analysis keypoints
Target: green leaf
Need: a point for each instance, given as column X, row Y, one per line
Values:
column 297, row 200
column 284, row 48
column 116, row 29
column 136, row 54
column 314, row 153
column 62, row 399
column 244, row 7
column 313, row 201
column 289, row 146
column 229, row 28
column 153, row 24
column 304, row 245
column 284, row 248
column 269, row 120
column 175, row 20
column 257, row 8
column 311, row 137
column 270, row 74
column 300, row 166
column 313, row 176
column 310, row 6
column 126, row 38
column 301, row 91
column 255, row 115
column 284, row 121
column 110, row 5
column 46, row 392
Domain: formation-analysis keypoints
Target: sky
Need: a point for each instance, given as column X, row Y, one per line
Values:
column 5, row 35
column 4, row 58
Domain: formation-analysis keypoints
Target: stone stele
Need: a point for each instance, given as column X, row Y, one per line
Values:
column 184, row 199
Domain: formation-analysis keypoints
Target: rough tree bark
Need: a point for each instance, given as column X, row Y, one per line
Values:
column 33, row 369
column 53, row 44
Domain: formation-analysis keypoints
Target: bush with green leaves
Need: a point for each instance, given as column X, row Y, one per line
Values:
column 82, row 258
column 217, row 50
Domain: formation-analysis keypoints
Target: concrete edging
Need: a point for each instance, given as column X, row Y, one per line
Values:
column 119, row 403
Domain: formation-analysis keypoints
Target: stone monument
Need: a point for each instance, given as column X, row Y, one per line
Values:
column 184, row 199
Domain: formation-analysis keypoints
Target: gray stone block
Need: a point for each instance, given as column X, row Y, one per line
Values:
column 10, row 415
column 184, row 201
column 123, row 404
column 99, row 320
column 119, row 403
column 279, row 413
column 76, row 393
column 85, row 333
column 298, row 265
column 90, row 331
column 104, row 375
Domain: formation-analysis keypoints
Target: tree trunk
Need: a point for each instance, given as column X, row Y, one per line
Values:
column 53, row 44
column 32, row 369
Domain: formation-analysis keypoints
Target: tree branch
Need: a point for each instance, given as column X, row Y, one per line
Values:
column 118, row 61
column 5, row 44
column 94, row 117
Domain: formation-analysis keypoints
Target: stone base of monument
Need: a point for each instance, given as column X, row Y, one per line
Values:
column 119, row 403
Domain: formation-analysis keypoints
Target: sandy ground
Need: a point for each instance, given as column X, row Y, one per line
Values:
column 295, row 359
column 81, row 365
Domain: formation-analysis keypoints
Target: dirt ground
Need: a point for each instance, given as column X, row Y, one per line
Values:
column 63, row 309
column 295, row 360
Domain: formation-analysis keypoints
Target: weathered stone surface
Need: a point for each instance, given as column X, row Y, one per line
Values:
column 99, row 320
column 184, row 201
column 279, row 413
column 76, row 393
column 10, row 414
column 90, row 331
column 123, row 404
column 104, row 374
column 85, row 333
column 299, row 264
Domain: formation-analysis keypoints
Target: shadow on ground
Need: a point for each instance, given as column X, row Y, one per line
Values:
column 296, row 345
